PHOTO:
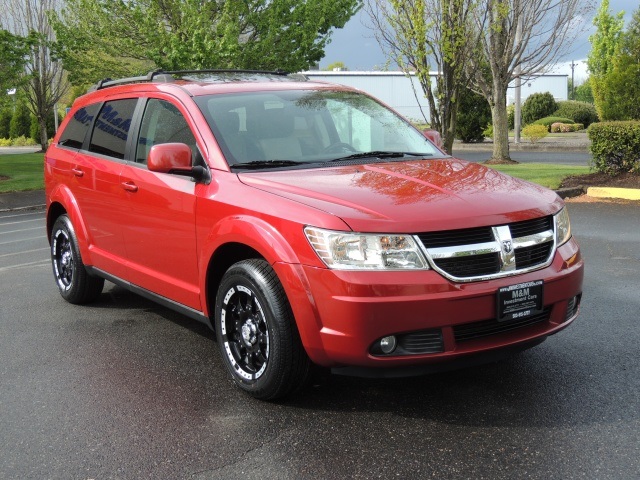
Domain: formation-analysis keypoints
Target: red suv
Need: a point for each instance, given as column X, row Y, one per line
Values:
column 306, row 223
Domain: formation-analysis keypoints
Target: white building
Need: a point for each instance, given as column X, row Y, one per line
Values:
column 395, row 88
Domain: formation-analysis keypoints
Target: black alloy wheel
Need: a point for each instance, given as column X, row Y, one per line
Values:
column 256, row 332
column 73, row 281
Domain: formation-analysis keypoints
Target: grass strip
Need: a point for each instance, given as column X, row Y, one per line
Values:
column 25, row 172
column 547, row 175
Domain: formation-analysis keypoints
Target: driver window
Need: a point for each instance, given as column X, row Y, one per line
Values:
column 162, row 122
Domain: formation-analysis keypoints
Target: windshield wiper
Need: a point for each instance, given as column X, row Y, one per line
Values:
column 380, row 154
column 257, row 164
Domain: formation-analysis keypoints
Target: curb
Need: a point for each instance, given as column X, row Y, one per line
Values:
column 524, row 148
column 610, row 192
column 571, row 192
column 21, row 209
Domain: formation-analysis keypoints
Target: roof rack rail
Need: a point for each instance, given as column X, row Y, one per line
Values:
column 163, row 76
column 218, row 70
column 153, row 76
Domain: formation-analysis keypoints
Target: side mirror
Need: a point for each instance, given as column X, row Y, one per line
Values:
column 170, row 158
column 433, row 136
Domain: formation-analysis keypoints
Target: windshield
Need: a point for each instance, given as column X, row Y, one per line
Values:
column 301, row 127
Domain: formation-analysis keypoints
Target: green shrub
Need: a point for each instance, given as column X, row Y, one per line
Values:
column 23, row 141
column 615, row 146
column 535, row 132
column 511, row 116
column 488, row 132
column 5, row 142
column 548, row 121
column 536, row 106
column 474, row 113
column 580, row 112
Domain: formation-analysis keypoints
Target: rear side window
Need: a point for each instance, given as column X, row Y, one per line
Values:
column 76, row 130
column 111, row 130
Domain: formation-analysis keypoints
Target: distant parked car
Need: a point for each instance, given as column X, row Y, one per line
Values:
column 306, row 224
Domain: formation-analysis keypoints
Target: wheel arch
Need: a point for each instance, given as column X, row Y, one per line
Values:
column 222, row 258
column 60, row 202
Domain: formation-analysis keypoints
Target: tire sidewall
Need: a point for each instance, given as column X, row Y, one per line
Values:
column 244, row 274
column 63, row 226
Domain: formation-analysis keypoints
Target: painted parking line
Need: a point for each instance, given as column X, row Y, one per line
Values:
column 22, row 221
column 22, row 230
column 20, row 240
column 23, row 252
column 31, row 214
column 26, row 265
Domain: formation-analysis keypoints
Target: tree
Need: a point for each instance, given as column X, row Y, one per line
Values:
column 620, row 87
column 605, row 45
column 474, row 115
column 424, row 35
column 336, row 66
column 105, row 38
column 519, row 38
column 20, row 123
column 13, row 57
column 583, row 92
column 44, row 78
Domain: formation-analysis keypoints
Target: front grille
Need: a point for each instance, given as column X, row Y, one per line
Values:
column 451, row 238
column 472, row 331
column 529, row 227
column 485, row 264
column 426, row 341
column 489, row 251
column 531, row 256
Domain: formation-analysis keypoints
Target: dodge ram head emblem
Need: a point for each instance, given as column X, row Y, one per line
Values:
column 507, row 246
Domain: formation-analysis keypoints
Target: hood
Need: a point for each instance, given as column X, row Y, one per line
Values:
column 411, row 196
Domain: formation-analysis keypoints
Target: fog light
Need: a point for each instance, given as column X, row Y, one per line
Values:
column 388, row 344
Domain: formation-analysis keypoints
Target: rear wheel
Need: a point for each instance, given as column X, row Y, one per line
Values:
column 257, row 336
column 74, row 283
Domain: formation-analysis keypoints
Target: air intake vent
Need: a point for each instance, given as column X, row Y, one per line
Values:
column 472, row 331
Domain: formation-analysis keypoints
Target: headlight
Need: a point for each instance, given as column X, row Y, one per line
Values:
column 359, row 251
column 563, row 226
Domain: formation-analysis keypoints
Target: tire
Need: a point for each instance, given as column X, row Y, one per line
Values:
column 256, row 332
column 74, row 282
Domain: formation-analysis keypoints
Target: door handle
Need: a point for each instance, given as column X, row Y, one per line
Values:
column 130, row 186
column 77, row 172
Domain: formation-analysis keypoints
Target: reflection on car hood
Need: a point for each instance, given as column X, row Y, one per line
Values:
column 411, row 196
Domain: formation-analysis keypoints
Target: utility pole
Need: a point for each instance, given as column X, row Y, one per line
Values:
column 573, row 85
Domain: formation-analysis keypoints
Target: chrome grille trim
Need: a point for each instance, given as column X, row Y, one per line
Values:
column 504, row 244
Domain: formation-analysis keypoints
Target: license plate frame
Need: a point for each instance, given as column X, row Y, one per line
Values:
column 519, row 301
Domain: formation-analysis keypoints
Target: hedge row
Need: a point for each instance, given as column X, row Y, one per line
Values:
column 615, row 146
column 579, row 112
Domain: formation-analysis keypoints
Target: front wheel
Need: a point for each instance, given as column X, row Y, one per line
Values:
column 256, row 332
column 74, row 282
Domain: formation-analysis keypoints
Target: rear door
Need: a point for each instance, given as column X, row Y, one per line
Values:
column 159, row 219
column 96, row 185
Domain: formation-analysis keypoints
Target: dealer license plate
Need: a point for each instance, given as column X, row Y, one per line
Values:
column 520, row 301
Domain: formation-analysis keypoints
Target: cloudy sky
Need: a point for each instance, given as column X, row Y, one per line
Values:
column 357, row 48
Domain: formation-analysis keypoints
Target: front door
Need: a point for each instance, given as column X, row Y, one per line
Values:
column 159, row 226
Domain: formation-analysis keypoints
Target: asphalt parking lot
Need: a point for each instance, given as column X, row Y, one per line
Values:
column 126, row 389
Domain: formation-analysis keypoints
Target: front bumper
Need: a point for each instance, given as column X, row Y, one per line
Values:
column 354, row 309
